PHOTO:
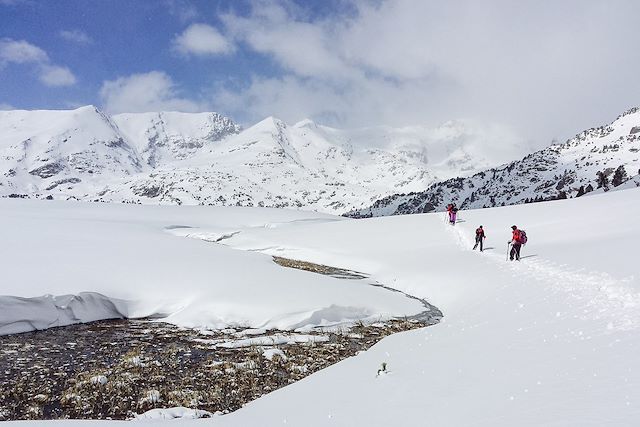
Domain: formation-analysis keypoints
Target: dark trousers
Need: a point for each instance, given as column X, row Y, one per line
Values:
column 515, row 251
column 479, row 240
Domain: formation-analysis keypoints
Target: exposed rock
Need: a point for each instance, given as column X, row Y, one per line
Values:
column 48, row 170
column 63, row 181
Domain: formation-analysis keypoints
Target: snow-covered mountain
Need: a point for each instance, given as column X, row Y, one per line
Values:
column 205, row 158
column 168, row 136
column 598, row 159
column 43, row 150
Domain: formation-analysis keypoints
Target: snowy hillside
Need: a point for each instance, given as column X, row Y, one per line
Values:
column 604, row 157
column 204, row 158
column 44, row 151
column 551, row 340
column 162, row 137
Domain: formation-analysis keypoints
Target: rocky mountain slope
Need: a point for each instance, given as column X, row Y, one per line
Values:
column 205, row 158
column 597, row 159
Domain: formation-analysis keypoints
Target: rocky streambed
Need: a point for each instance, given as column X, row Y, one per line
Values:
column 118, row 368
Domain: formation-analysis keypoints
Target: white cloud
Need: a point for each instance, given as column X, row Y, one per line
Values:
column 20, row 52
column 202, row 40
column 305, row 49
column 545, row 70
column 76, row 36
column 153, row 91
column 23, row 52
column 55, row 76
column 4, row 106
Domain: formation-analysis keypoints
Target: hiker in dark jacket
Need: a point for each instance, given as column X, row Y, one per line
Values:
column 479, row 238
column 516, row 243
column 452, row 210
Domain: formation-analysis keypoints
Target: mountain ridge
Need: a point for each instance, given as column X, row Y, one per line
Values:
column 206, row 158
column 582, row 164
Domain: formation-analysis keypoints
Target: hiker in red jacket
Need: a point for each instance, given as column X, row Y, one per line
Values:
column 479, row 238
column 516, row 243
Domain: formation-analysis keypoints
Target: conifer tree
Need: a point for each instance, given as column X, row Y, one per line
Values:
column 602, row 180
column 619, row 176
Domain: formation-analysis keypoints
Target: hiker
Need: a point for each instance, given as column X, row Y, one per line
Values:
column 518, row 238
column 452, row 210
column 479, row 238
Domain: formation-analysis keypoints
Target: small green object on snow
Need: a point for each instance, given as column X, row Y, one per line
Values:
column 383, row 369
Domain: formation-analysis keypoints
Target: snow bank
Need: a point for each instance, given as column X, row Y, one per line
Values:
column 66, row 262
column 19, row 314
column 173, row 413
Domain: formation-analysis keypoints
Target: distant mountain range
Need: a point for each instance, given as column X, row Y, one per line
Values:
column 596, row 160
column 205, row 158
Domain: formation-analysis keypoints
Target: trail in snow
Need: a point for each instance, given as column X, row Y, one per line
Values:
column 600, row 295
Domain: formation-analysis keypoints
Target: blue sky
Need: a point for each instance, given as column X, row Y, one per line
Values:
column 116, row 38
column 542, row 71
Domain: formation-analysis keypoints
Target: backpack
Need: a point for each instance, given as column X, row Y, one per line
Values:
column 523, row 237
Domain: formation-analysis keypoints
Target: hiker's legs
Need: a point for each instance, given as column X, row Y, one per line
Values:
column 515, row 251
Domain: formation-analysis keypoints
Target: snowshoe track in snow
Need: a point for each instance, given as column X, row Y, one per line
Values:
column 600, row 295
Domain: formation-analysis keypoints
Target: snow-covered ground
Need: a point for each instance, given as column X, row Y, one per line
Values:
column 552, row 340
column 97, row 261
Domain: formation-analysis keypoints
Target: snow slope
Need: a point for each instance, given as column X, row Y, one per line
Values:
column 205, row 158
column 552, row 340
column 166, row 136
column 69, row 262
column 560, row 170
column 45, row 151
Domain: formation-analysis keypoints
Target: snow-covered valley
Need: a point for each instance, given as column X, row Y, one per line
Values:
column 551, row 340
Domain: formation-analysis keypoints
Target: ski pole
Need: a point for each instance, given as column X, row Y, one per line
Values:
column 508, row 245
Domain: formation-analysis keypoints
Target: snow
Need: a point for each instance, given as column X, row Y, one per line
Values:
column 277, row 339
column 96, row 261
column 206, row 159
column 550, row 340
column 99, row 380
column 172, row 414
column 559, row 168
column 167, row 136
column 270, row 353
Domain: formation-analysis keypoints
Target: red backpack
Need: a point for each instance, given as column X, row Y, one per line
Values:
column 522, row 238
